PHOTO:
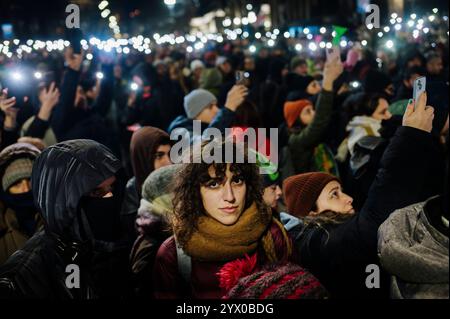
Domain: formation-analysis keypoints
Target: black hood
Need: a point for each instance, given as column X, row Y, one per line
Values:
column 62, row 174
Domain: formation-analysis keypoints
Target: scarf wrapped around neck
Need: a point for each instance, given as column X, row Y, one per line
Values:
column 213, row 241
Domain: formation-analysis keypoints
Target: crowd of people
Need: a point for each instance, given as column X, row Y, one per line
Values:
column 87, row 176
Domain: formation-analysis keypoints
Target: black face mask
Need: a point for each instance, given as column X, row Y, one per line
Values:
column 103, row 215
column 23, row 206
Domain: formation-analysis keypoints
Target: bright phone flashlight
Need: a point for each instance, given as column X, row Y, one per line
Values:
column 355, row 84
column 134, row 86
column 17, row 76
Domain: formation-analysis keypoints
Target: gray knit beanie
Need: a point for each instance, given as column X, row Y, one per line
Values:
column 16, row 171
column 196, row 101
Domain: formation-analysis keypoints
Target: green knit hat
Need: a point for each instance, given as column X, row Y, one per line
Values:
column 399, row 107
column 211, row 80
column 157, row 188
column 271, row 178
column 16, row 171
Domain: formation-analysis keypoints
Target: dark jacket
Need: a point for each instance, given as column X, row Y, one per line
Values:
column 339, row 254
column 204, row 282
column 298, row 156
column 62, row 174
column 143, row 147
column 129, row 208
column 153, row 225
column 147, row 110
column 7, row 137
column 270, row 101
column 223, row 120
column 69, row 122
column 12, row 235
column 143, row 253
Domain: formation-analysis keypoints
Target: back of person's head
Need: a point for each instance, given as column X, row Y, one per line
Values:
column 413, row 72
column 276, row 67
column 362, row 104
column 411, row 56
column 376, row 82
column 434, row 62
column 247, row 115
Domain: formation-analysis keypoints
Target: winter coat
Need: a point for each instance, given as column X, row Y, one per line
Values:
column 169, row 283
column 69, row 122
column 152, row 222
column 129, row 208
column 298, row 157
column 143, row 147
column 12, row 237
column 38, row 128
column 415, row 252
column 143, row 253
column 62, row 174
column 338, row 254
column 223, row 120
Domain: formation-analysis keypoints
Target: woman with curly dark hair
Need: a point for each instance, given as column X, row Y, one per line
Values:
column 219, row 216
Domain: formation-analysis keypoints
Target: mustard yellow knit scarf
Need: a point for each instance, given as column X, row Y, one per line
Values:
column 213, row 241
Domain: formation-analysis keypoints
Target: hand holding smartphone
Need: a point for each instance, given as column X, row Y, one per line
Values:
column 333, row 53
column 420, row 85
column 242, row 78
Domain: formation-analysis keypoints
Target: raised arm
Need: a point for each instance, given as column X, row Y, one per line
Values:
column 404, row 168
column 314, row 132
column 49, row 99
column 63, row 114
column 226, row 116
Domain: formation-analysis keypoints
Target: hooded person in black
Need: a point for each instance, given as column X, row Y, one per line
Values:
column 19, row 217
column 149, row 150
column 78, row 187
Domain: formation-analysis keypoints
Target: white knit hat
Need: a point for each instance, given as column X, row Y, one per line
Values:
column 197, row 64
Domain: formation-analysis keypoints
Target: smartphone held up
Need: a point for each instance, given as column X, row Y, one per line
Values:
column 420, row 85
column 243, row 78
